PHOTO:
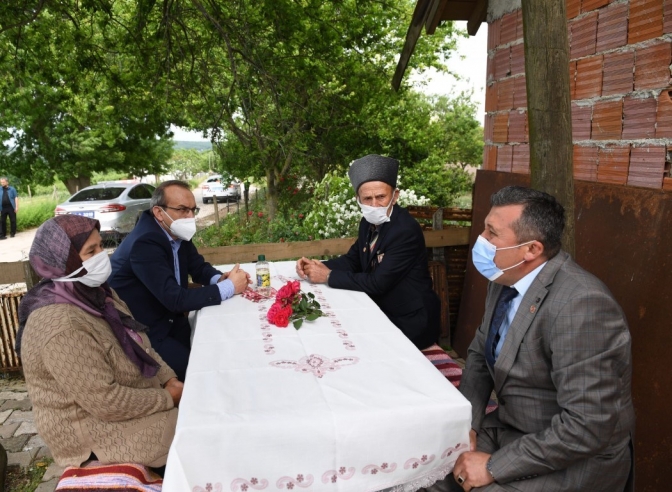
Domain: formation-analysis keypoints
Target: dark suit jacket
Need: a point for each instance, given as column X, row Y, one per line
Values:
column 398, row 280
column 143, row 276
column 563, row 379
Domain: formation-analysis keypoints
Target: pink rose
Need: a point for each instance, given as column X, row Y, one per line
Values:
column 282, row 316
column 295, row 286
column 279, row 315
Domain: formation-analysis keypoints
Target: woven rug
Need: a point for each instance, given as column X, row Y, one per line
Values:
column 121, row 477
column 450, row 369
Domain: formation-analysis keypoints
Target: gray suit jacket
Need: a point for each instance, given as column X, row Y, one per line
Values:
column 562, row 379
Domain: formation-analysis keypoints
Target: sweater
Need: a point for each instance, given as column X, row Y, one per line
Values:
column 88, row 396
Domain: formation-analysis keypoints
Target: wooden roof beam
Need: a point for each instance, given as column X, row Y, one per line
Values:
column 412, row 35
column 434, row 15
column 478, row 16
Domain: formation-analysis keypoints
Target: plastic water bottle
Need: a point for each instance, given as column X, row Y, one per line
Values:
column 263, row 276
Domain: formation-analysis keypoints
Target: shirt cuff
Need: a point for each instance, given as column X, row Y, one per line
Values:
column 215, row 278
column 226, row 289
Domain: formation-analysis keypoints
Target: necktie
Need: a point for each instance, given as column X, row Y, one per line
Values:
column 505, row 297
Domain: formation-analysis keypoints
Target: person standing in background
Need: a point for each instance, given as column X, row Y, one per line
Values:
column 10, row 206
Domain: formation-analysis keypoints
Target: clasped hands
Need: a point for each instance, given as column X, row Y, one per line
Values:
column 470, row 470
column 174, row 387
column 313, row 270
column 239, row 278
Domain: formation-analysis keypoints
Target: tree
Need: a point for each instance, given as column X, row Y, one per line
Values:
column 185, row 163
column 289, row 87
column 77, row 98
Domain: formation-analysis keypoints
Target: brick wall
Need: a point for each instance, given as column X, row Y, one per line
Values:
column 621, row 91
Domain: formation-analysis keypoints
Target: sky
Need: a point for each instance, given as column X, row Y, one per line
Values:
column 469, row 63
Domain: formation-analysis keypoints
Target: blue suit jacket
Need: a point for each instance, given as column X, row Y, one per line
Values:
column 143, row 275
column 394, row 275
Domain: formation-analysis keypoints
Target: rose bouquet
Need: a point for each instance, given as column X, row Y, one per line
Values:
column 293, row 305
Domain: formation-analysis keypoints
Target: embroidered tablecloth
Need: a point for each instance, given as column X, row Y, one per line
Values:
column 346, row 403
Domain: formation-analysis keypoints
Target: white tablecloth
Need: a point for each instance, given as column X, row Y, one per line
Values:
column 346, row 403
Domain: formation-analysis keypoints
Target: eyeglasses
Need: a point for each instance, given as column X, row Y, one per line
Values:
column 184, row 210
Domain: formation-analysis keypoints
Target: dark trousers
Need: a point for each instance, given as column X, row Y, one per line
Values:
column 174, row 348
column 12, row 221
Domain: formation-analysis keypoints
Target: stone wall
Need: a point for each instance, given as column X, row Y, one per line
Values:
column 620, row 56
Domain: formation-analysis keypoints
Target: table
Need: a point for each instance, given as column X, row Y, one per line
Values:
column 345, row 404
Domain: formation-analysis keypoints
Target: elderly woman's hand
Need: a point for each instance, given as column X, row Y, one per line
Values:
column 174, row 387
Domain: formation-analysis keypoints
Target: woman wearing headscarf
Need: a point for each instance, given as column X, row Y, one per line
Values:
column 96, row 385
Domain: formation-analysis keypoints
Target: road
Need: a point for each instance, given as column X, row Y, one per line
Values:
column 18, row 247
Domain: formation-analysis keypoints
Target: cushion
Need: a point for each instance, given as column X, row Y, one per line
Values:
column 450, row 369
column 93, row 476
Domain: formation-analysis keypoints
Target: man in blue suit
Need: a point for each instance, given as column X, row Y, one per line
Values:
column 389, row 259
column 150, row 272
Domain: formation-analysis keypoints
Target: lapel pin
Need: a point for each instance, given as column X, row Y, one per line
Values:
column 533, row 309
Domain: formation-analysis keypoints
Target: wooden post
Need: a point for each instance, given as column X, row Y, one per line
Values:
column 437, row 225
column 216, row 205
column 29, row 193
column 31, row 277
column 549, row 112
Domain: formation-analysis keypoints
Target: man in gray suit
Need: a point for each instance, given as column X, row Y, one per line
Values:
column 556, row 350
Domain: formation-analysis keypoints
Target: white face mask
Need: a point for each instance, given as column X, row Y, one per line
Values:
column 182, row 228
column 376, row 215
column 98, row 270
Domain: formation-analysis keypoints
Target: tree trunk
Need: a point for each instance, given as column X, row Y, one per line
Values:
column 549, row 105
column 272, row 193
column 75, row 184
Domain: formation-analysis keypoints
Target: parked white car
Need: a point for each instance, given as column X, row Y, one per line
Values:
column 117, row 206
column 221, row 188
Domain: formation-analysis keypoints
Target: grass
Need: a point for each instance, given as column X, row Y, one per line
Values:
column 26, row 479
column 34, row 211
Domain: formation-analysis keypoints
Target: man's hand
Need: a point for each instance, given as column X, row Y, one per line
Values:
column 316, row 272
column 240, row 279
column 224, row 276
column 470, row 468
column 472, row 440
column 301, row 264
column 174, row 387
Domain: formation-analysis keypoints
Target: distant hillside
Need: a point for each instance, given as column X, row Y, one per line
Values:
column 184, row 144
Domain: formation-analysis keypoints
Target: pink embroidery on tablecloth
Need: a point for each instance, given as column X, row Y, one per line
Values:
column 415, row 462
column 342, row 474
column 383, row 468
column 299, row 481
column 208, row 488
column 269, row 349
column 316, row 364
column 342, row 333
column 450, row 451
column 245, row 485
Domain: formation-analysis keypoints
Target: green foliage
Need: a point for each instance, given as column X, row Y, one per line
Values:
column 185, row 163
column 34, row 212
column 78, row 99
column 441, row 183
column 334, row 211
column 287, row 90
column 330, row 211
column 253, row 227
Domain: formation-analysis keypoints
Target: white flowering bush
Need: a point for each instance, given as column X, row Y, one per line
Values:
column 334, row 211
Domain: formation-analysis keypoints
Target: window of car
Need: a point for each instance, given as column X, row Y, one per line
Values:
column 92, row 194
column 139, row 192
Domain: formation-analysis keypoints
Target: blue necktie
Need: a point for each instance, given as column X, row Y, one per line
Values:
column 505, row 297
